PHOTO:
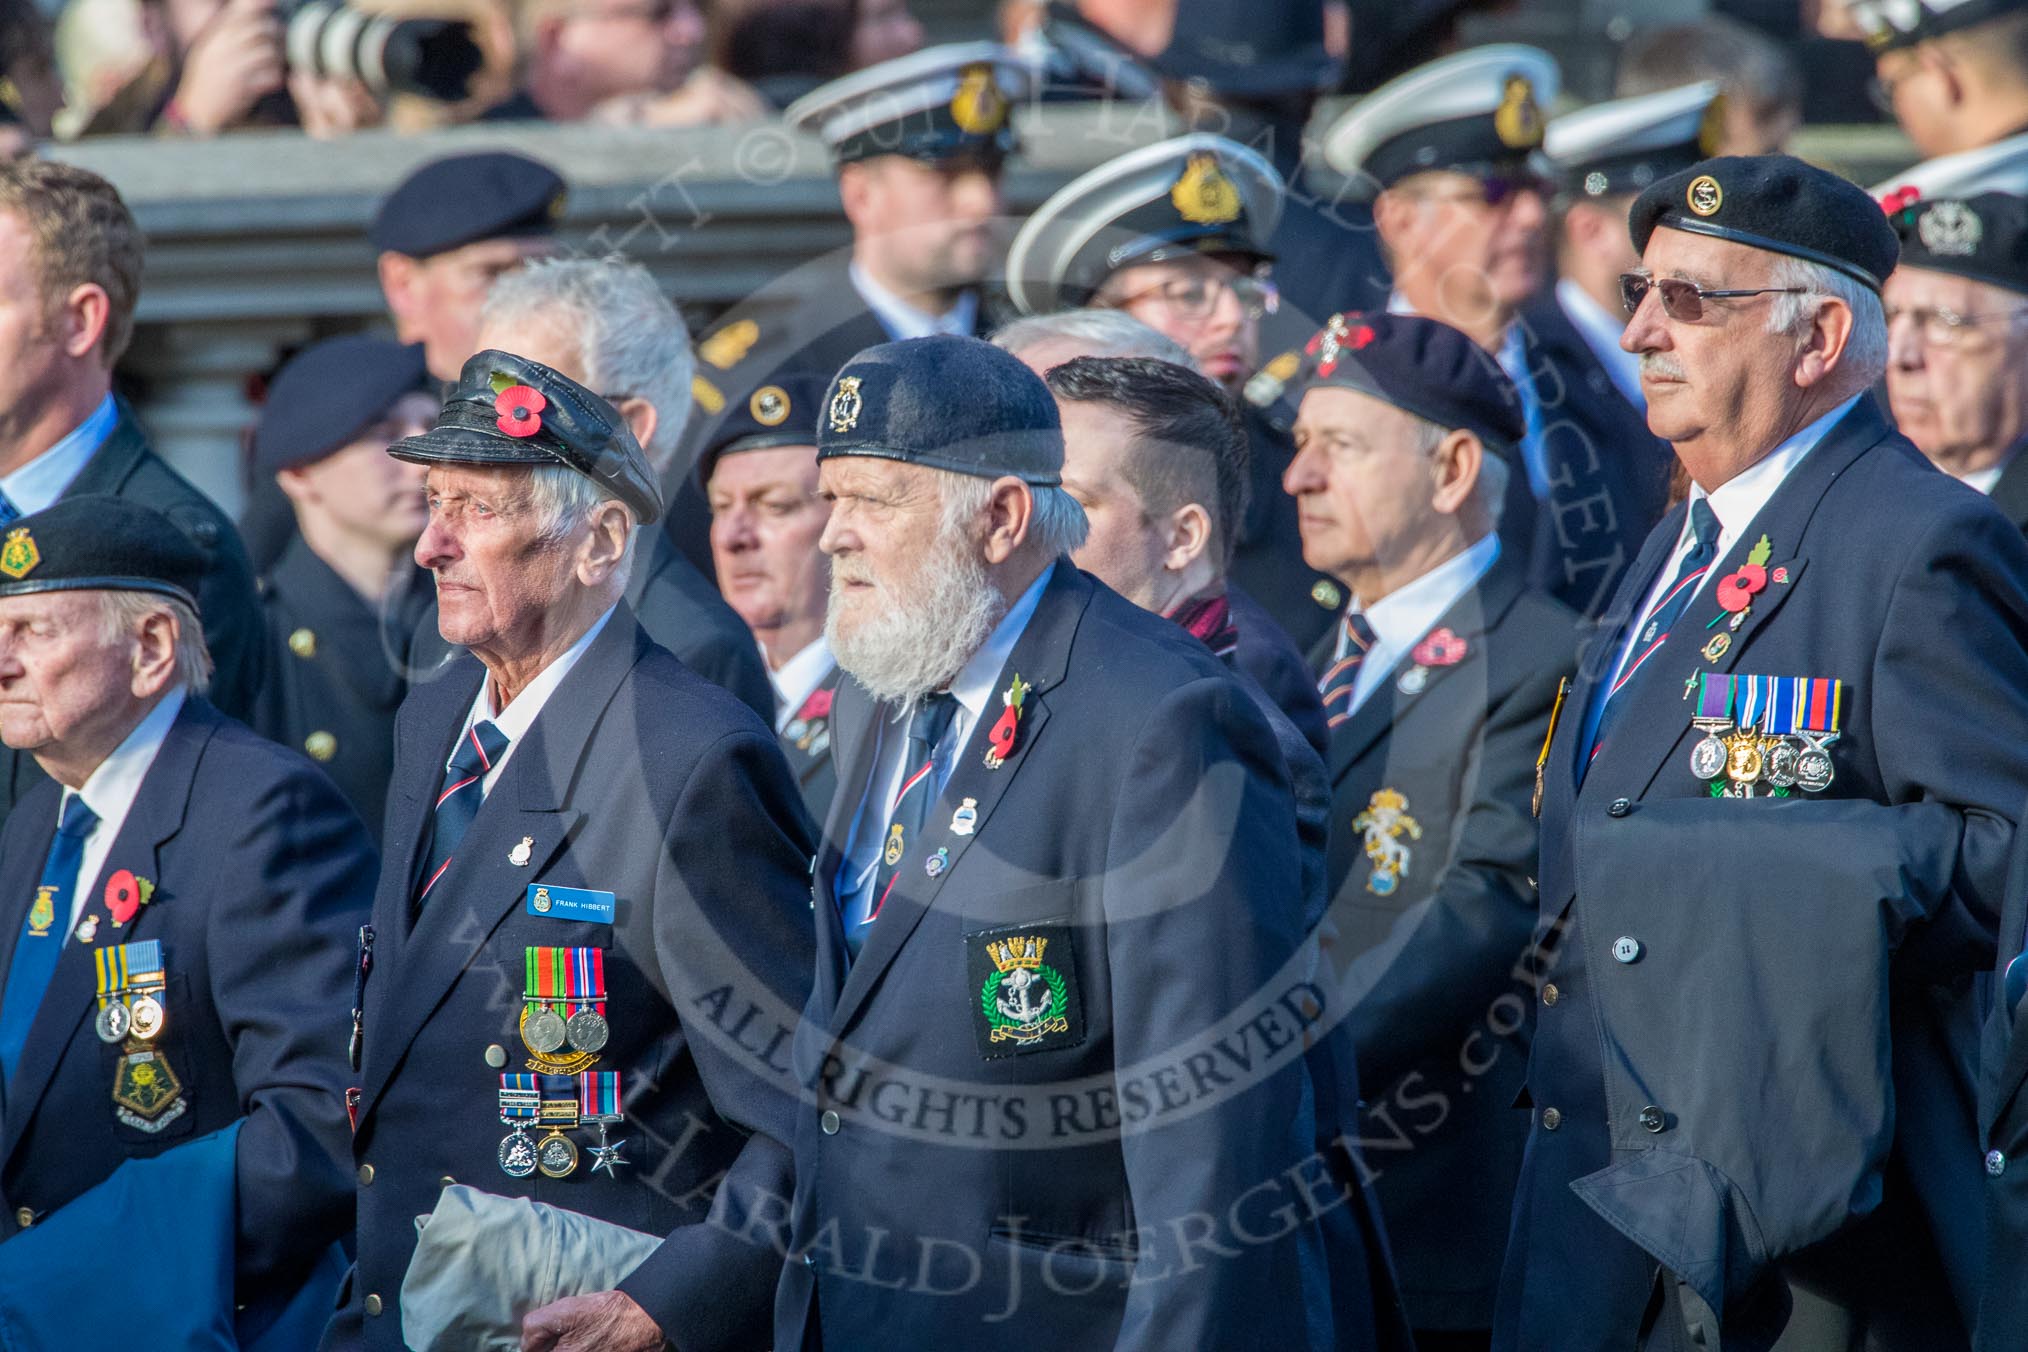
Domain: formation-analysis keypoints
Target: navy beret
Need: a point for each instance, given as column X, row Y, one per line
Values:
column 98, row 542
column 1984, row 238
column 508, row 410
column 1777, row 203
column 957, row 404
column 458, row 200
column 329, row 393
column 783, row 412
column 1421, row 366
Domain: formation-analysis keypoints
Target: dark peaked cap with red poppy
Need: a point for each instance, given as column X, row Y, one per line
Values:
column 1420, row 366
column 508, row 410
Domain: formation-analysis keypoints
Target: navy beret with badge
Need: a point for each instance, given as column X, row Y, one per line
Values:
column 1984, row 238
column 329, row 393
column 1777, row 203
column 782, row 412
column 942, row 103
column 1889, row 25
column 1195, row 194
column 98, row 542
column 1479, row 112
column 1611, row 149
column 1421, row 366
column 957, row 404
column 508, row 410
column 461, row 199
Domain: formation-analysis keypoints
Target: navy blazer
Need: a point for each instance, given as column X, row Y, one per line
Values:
column 1268, row 655
column 262, row 876
column 641, row 779
column 806, row 744
column 1142, row 832
column 2010, row 490
column 1913, row 590
column 2003, row 1121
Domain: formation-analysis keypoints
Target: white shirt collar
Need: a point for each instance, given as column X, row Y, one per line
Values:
column 1739, row 499
column 40, row 482
column 1984, row 479
column 902, row 320
column 519, row 716
column 111, row 789
column 798, row 679
column 1601, row 329
column 975, row 681
column 1404, row 615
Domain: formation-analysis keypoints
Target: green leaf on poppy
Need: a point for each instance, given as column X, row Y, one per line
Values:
column 1761, row 550
column 502, row 382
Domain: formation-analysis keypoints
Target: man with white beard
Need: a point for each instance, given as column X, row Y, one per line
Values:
column 1057, row 1029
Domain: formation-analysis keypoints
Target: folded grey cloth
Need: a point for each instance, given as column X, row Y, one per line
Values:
column 484, row 1261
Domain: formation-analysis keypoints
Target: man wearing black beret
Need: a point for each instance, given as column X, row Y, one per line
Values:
column 593, row 922
column 1785, row 780
column 1442, row 658
column 176, row 935
column 345, row 596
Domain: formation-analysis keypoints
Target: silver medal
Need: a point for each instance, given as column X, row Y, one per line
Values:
column 113, row 1022
column 517, row 1154
column 543, row 1030
column 1813, row 770
column 1707, row 758
column 587, row 1031
column 1781, row 763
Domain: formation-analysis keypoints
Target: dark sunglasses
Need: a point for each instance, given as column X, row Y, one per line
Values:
column 1683, row 301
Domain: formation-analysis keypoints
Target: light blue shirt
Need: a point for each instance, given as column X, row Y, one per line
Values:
column 902, row 320
column 39, row 483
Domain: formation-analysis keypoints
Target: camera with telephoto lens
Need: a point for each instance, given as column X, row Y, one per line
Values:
column 435, row 58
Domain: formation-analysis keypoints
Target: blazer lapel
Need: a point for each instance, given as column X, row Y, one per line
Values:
column 1039, row 658
column 431, row 719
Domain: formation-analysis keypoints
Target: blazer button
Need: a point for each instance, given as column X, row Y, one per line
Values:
column 373, row 1305
column 496, row 1055
column 1619, row 807
column 1551, row 1119
column 1651, row 1118
column 1626, row 949
column 1996, row 1163
column 24, row 1217
column 828, row 1123
column 365, row 1175
column 1550, row 995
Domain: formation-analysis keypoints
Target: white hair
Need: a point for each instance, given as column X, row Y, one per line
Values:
column 121, row 614
column 1056, row 526
column 1865, row 355
column 565, row 499
column 1101, row 333
column 631, row 340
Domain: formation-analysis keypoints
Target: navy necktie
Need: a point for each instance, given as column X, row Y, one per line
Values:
column 477, row 752
column 1655, row 626
column 42, row 932
column 912, row 805
column 1337, row 684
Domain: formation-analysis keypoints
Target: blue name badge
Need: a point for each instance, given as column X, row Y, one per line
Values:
column 569, row 903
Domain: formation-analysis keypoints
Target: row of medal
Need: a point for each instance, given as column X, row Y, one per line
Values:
column 1765, row 732
column 556, row 1104
column 131, row 980
column 565, row 1004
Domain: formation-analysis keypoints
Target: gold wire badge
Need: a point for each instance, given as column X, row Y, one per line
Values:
column 1203, row 194
column 19, row 555
column 845, row 405
column 1518, row 119
column 1704, row 195
column 730, row 344
column 978, row 107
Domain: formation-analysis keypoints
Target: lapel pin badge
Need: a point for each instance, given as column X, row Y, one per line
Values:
column 1009, row 725
column 966, row 819
column 521, row 853
column 87, row 929
column 937, row 863
column 1715, row 649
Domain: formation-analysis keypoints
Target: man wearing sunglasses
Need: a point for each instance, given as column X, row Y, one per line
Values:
column 1176, row 235
column 1716, row 1053
column 1957, row 328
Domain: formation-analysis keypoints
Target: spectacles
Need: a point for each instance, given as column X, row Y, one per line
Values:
column 1196, row 295
column 1945, row 328
column 1682, row 300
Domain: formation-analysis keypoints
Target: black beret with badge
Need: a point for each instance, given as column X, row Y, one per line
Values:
column 461, row 199
column 1892, row 24
column 782, row 412
column 1195, row 194
column 1777, row 203
column 1984, row 238
column 1620, row 147
column 957, row 404
column 329, row 393
column 508, row 410
column 943, row 103
column 98, row 542
column 1479, row 112
column 1421, row 366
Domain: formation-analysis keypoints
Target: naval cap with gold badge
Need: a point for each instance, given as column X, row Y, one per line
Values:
column 1620, row 147
column 957, row 404
column 1195, row 194
column 1889, row 25
column 782, row 412
column 952, row 102
column 508, row 410
column 1480, row 112
column 1777, row 203
column 98, row 542
column 1983, row 238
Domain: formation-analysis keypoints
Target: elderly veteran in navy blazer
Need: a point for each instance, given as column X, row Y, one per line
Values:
column 180, row 903
column 1060, row 869
column 592, row 935
column 1825, row 618
column 1438, row 680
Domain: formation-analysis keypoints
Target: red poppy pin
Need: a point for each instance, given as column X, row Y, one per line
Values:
column 1441, row 649
column 520, row 408
column 126, row 894
column 1009, row 727
column 1737, row 589
column 818, row 705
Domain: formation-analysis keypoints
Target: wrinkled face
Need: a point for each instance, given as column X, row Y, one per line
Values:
column 1362, row 481
column 364, row 490
column 885, row 30
column 1965, row 394
column 498, row 577
column 606, row 48
column 766, row 522
column 882, row 515
column 1472, row 254
column 62, row 681
column 928, row 226
column 1210, row 304
column 439, row 303
column 1124, row 548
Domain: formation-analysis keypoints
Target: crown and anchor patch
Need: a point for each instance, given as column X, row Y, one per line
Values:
column 1026, row 981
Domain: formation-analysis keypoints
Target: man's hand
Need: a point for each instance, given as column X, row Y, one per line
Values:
column 606, row 1322
column 233, row 64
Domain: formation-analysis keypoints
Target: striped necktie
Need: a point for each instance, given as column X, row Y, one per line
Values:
column 476, row 753
column 43, row 931
column 1337, row 683
column 1654, row 629
column 919, row 789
